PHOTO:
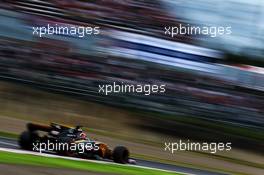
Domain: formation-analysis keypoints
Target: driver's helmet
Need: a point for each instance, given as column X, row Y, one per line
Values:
column 83, row 135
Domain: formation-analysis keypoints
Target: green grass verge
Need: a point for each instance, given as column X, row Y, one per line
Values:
column 8, row 135
column 26, row 159
column 221, row 127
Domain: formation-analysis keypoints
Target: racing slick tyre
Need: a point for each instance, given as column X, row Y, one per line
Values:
column 27, row 139
column 121, row 154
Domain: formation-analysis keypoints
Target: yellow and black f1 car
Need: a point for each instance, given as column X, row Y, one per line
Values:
column 69, row 141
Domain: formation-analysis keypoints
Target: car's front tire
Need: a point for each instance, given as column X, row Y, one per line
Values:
column 121, row 154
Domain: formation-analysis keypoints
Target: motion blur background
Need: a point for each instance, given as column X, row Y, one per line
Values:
column 214, row 86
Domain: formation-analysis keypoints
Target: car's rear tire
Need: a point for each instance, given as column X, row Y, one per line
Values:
column 27, row 139
column 121, row 154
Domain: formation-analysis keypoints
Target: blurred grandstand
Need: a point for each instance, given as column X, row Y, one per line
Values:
column 132, row 49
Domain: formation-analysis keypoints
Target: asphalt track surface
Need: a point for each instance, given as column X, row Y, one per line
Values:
column 12, row 144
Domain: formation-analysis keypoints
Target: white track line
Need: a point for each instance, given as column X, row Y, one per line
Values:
column 78, row 159
column 9, row 144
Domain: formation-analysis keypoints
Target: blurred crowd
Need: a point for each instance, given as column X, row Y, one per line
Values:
column 147, row 16
column 57, row 65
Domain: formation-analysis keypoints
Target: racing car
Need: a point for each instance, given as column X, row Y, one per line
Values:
column 74, row 140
